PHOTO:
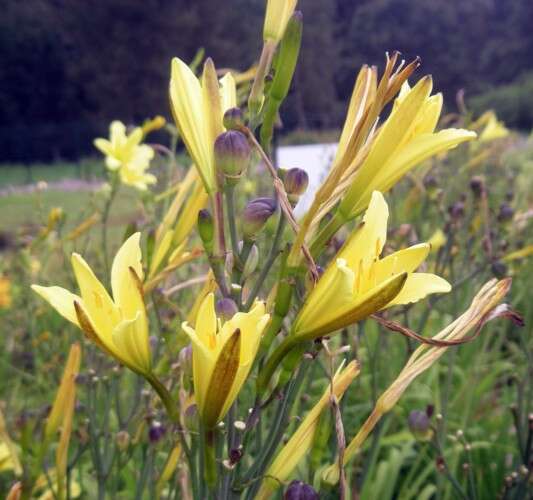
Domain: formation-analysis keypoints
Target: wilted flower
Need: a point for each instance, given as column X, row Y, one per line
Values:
column 126, row 154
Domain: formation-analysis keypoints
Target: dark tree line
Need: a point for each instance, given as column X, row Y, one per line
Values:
column 68, row 67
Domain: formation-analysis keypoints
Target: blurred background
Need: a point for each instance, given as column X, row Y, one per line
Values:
column 70, row 67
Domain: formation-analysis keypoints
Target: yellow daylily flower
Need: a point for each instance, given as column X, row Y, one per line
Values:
column 278, row 13
column 300, row 442
column 198, row 107
column 494, row 129
column 126, row 154
column 118, row 326
column 406, row 139
column 6, row 460
column 360, row 283
column 9, row 459
column 223, row 354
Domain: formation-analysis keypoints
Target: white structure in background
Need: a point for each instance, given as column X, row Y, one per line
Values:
column 315, row 159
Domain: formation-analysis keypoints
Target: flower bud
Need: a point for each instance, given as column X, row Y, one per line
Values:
column 295, row 181
column 499, row 269
column 232, row 154
column 298, row 490
column 255, row 216
column 233, row 119
column 226, row 308
column 251, row 262
column 123, row 440
column 206, row 229
column 477, row 185
column 419, row 425
column 506, row 213
column 156, row 431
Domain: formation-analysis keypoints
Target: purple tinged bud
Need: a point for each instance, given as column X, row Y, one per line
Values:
column 191, row 418
column 226, row 308
column 255, row 216
column 156, row 431
column 499, row 269
column 477, row 185
column 185, row 360
column 298, row 490
column 419, row 424
column 506, row 212
column 296, row 182
column 233, row 119
column 232, row 154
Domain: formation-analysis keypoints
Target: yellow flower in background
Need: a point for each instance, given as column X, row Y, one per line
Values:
column 118, row 326
column 278, row 13
column 223, row 354
column 406, row 139
column 156, row 123
column 300, row 442
column 198, row 107
column 126, row 154
column 6, row 460
column 360, row 283
column 494, row 129
column 5, row 292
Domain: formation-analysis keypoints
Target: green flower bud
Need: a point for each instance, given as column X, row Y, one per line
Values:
column 233, row 119
column 251, row 262
column 255, row 216
column 232, row 154
column 206, row 229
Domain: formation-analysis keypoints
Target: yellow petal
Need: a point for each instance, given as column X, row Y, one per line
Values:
column 277, row 16
column 60, row 299
column 228, row 92
column 221, row 380
column 187, row 108
column 406, row 260
column 332, row 295
column 128, row 256
column 212, row 109
column 389, row 137
column 366, row 244
column 418, row 286
column 104, row 146
column 415, row 152
column 131, row 340
column 206, row 322
column 96, row 300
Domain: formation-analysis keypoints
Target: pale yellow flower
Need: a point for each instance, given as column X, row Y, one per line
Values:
column 118, row 326
column 198, row 107
column 494, row 129
column 126, row 154
column 223, row 354
column 359, row 282
column 278, row 13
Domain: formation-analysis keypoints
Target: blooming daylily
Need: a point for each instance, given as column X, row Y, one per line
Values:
column 278, row 13
column 198, row 107
column 494, row 129
column 118, row 326
column 406, row 139
column 223, row 354
column 126, row 154
column 360, row 283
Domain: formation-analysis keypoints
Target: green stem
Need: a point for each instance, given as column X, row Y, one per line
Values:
column 266, row 269
column 105, row 220
column 326, row 233
column 229, row 191
column 210, row 463
column 273, row 361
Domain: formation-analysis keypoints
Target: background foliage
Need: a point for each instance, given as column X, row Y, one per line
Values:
column 71, row 67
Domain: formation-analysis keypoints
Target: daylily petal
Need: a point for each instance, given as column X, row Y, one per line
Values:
column 418, row 286
column 228, row 92
column 206, row 322
column 277, row 16
column 128, row 256
column 406, row 260
column 60, row 299
column 131, row 340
